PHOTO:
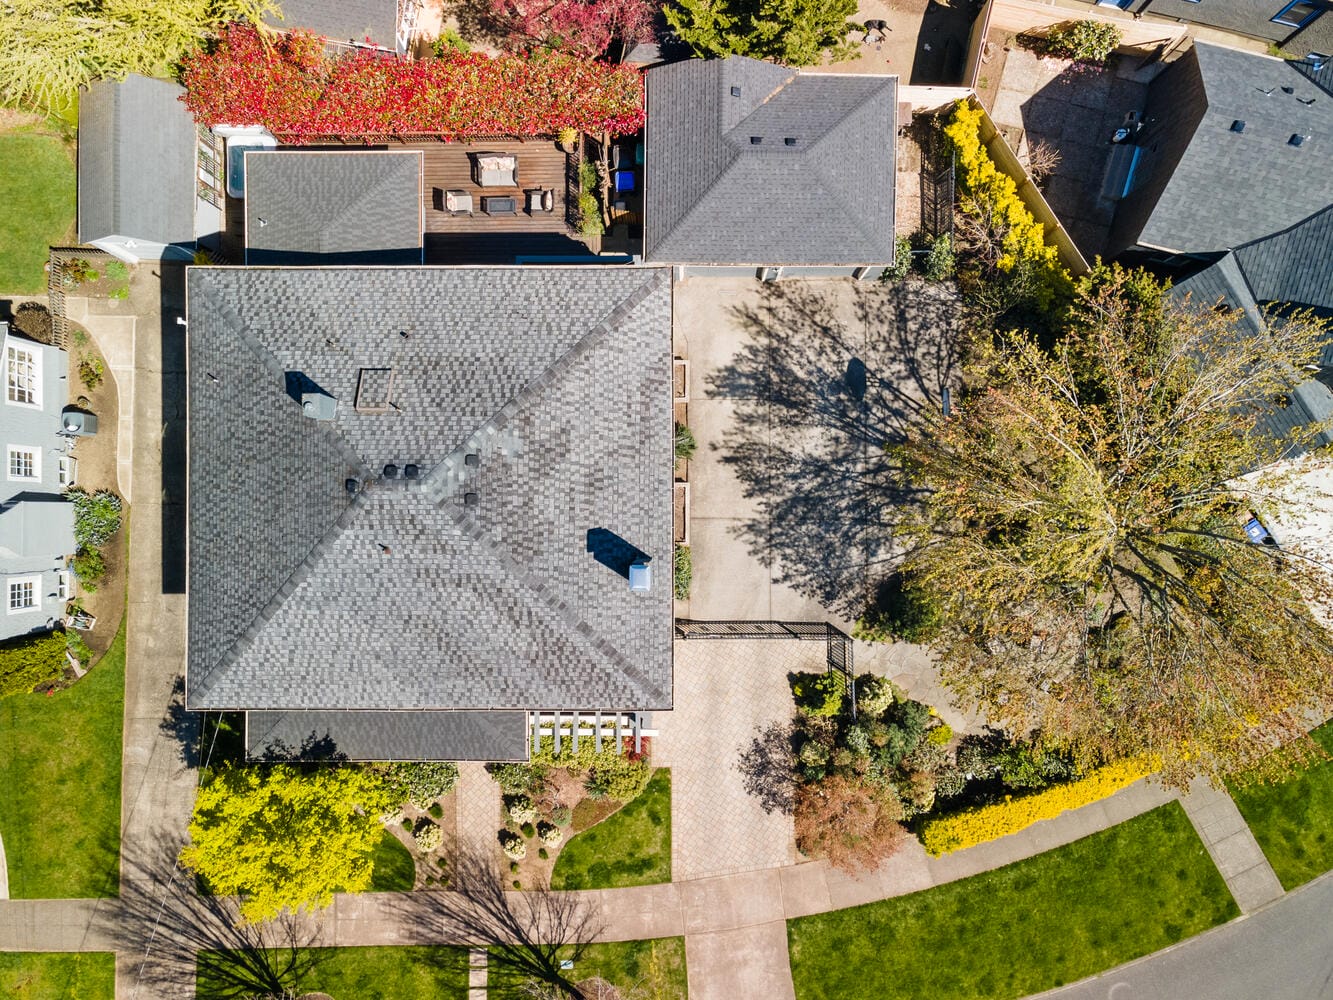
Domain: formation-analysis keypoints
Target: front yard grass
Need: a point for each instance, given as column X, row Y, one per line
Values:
column 37, row 185
column 394, row 871
column 60, row 798
column 439, row 973
column 1027, row 927
column 58, row 975
column 1293, row 820
column 654, row 968
column 632, row 846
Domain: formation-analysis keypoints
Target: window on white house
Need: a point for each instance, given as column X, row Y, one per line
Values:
column 24, row 462
column 23, row 593
column 62, row 585
column 67, row 470
column 22, row 376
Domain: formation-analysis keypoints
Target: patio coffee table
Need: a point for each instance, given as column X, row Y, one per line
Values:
column 499, row 205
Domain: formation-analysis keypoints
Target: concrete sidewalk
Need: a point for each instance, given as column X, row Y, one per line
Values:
column 1232, row 846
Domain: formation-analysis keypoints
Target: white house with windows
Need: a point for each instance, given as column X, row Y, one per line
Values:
column 36, row 519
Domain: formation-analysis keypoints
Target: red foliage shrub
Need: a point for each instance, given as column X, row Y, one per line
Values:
column 645, row 754
column 296, row 91
column 854, row 825
column 581, row 27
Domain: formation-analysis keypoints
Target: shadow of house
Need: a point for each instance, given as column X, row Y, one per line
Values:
column 819, row 403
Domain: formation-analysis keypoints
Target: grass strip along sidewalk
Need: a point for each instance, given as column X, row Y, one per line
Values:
column 1293, row 819
column 1030, row 926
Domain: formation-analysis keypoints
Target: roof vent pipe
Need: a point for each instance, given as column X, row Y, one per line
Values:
column 351, row 486
column 391, row 471
column 755, row 140
column 411, row 471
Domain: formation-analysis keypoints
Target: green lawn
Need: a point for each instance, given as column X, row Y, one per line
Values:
column 1293, row 821
column 58, row 975
column 654, row 968
column 37, row 186
column 60, row 798
column 395, row 871
column 1030, row 926
column 344, row 973
column 632, row 846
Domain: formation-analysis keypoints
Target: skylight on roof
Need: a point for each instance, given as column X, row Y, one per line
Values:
column 374, row 390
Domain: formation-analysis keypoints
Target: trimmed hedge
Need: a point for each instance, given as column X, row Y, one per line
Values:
column 31, row 660
column 945, row 834
column 612, row 773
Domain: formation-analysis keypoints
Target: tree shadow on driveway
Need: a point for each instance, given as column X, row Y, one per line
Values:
column 833, row 374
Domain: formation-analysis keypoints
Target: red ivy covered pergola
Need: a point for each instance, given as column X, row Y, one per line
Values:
column 292, row 87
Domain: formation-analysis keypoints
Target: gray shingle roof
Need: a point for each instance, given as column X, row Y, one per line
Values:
column 1295, row 265
column 714, row 197
column 1245, row 16
column 404, row 596
column 1221, row 284
column 137, row 162
column 341, row 20
column 1231, row 188
column 316, row 207
column 387, row 735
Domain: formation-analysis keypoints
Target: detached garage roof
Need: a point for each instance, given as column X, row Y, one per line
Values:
column 315, row 207
column 752, row 163
column 137, row 162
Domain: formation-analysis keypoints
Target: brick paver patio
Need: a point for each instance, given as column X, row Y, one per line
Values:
column 726, row 689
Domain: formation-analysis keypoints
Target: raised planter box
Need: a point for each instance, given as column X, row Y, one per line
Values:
column 681, row 513
column 680, row 380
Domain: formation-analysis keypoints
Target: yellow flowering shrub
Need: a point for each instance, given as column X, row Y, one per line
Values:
column 990, row 194
column 945, row 834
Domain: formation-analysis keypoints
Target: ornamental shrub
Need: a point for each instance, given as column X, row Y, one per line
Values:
column 943, row 834
column 423, row 782
column 991, row 196
column 562, row 816
column 1087, row 41
column 96, row 516
column 899, row 611
column 550, row 834
column 939, row 260
column 685, row 443
column 89, row 566
column 528, row 830
column 77, row 647
column 513, row 846
column 682, row 572
column 516, row 778
column 33, row 320
column 874, row 695
column 296, row 90
column 31, row 661
column 902, row 261
column 520, row 809
column 427, row 835
column 818, row 694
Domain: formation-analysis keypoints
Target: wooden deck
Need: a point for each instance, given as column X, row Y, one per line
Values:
column 541, row 164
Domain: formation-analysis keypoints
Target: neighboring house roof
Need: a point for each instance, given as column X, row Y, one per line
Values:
column 1204, row 187
column 1293, row 267
column 542, row 394
column 387, row 735
column 341, row 20
column 1248, row 17
column 315, row 207
column 137, row 162
column 36, row 525
column 712, row 196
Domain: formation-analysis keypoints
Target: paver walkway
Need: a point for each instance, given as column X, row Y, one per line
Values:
column 477, row 809
column 725, row 691
column 1232, row 846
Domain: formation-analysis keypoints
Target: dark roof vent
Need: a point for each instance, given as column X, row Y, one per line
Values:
column 735, row 91
column 472, row 460
column 391, row 471
column 1288, row 90
column 1238, row 126
column 755, row 140
column 351, row 486
column 470, row 499
column 1297, row 139
column 789, row 141
column 411, row 472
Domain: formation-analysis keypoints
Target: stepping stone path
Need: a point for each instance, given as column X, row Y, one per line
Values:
column 476, row 973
